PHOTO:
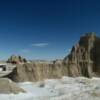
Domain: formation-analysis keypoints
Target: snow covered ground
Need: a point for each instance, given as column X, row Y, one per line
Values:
column 67, row 88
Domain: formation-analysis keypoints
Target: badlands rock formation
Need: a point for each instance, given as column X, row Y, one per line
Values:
column 83, row 60
column 16, row 59
column 85, row 55
column 8, row 87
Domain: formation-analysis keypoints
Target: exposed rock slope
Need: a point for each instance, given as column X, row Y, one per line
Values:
column 37, row 71
column 83, row 60
column 16, row 59
column 86, row 55
column 7, row 87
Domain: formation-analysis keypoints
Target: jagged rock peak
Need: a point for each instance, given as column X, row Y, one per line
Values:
column 86, row 54
column 16, row 59
column 89, row 34
column 85, row 44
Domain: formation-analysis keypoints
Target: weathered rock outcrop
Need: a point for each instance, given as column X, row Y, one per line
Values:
column 16, row 59
column 83, row 60
column 37, row 71
column 8, row 87
column 86, row 55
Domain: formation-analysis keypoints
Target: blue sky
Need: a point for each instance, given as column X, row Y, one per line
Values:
column 45, row 29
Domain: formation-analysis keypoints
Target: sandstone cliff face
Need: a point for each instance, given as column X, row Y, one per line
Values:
column 83, row 60
column 86, row 55
column 37, row 71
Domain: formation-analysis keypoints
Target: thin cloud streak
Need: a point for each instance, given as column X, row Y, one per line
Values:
column 40, row 44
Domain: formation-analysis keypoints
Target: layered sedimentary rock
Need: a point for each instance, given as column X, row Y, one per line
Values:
column 83, row 60
column 37, row 71
column 82, row 55
column 16, row 59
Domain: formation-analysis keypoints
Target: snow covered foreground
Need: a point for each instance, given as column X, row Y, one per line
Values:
column 58, row 89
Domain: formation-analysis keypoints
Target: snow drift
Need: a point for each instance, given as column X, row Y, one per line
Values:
column 67, row 88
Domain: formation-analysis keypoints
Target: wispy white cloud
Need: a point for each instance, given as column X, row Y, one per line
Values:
column 40, row 44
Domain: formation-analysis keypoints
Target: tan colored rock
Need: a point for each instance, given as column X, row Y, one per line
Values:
column 37, row 71
column 7, row 87
column 83, row 60
column 16, row 60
